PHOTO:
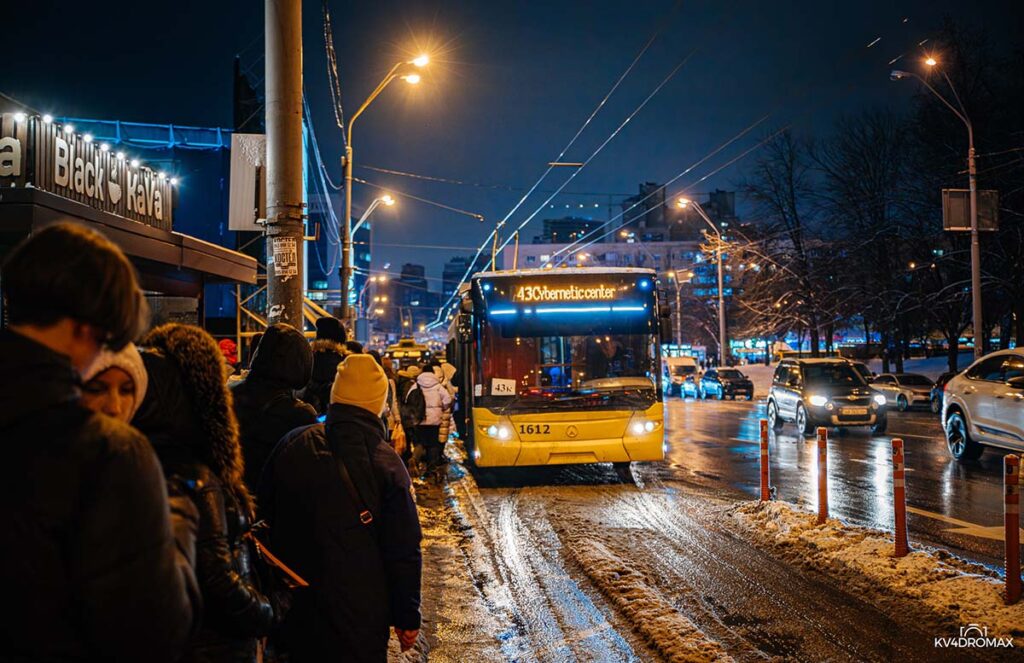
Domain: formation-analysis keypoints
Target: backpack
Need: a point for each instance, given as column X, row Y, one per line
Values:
column 414, row 407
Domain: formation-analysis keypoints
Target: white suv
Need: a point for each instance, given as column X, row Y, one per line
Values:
column 984, row 405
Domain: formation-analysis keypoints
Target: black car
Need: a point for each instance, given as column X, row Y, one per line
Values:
column 726, row 383
column 937, row 390
column 823, row 392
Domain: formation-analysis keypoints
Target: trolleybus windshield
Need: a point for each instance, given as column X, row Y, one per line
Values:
column 578, row 354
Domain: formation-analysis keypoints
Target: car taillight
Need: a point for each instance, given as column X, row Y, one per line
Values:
column 945, row 386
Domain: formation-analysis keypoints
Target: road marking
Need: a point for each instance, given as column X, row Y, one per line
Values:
column 994, row 532
column 871, row 462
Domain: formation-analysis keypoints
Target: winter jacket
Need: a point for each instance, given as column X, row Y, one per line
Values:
column 327, row 355
column 186, row 424
column 265, row 401
column 363, row 578
column 436, row 399
column 88, row 563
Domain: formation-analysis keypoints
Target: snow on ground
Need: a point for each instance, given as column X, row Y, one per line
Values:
column 666, row 629
column 954, row 590
column 930, row 367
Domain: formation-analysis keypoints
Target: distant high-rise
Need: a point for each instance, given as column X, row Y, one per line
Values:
column 455, row 269
column 566, row 229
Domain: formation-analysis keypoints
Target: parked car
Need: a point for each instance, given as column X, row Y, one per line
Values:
column 726, row 382
column 823, row 392
column 935, row 398
column 690, row 387
column 904, row 390
column 676, row 370
column 984, row 406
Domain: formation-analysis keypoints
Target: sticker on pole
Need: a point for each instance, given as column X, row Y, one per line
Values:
column 286, row 257
column 503, row 387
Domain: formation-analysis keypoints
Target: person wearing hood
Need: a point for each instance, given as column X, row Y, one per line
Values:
column 92, row 564
column 187, row 414
column 328, row 351
column 265, row 402
column 341, row 511
column 436, row 402
column 115, row 383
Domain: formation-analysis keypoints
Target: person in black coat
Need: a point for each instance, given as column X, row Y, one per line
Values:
column 188, row 417
column 265, row 402
column 90, row 566
column 328, row 351
column 356, row 540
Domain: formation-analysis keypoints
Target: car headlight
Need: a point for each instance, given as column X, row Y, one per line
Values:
column 818, row 401
column 879, row 399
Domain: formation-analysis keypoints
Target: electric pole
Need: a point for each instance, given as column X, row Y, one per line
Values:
column 285, row 229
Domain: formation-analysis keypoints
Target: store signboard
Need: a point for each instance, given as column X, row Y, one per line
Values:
column 39, row 154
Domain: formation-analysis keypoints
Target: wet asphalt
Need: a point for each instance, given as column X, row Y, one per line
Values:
column 953, row 505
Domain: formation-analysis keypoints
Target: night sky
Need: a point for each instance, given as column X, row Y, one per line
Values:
column 509, row 85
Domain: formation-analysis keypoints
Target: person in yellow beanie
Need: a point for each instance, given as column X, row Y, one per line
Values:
column 360, row 381
column 341, row 512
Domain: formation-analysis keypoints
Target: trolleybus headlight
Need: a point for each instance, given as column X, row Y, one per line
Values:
column 492, row 431
column 818, row 401
column 500, row 432
column 639, row 427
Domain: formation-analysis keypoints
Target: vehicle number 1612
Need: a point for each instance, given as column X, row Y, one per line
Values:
column 534, row 429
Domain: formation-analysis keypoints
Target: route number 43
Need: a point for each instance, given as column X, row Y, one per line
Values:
column 534, row 429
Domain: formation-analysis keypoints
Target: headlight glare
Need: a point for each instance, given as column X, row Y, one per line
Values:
column 818, row 401
column 504, row 433
column 492, row 431
column 648, row 426
column 879, row 399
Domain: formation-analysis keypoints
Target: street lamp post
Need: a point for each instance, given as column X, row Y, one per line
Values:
column 723, row 350
column 976, row 315
column 346, row 242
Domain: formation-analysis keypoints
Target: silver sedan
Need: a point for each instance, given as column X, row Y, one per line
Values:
column 904, row 390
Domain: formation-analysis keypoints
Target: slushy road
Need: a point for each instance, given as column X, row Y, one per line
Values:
column 951, row 504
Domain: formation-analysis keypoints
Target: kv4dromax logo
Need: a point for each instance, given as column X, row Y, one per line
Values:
column 973, row 635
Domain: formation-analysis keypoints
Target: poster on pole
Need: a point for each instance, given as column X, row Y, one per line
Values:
column 956, row 210
column 286, row 257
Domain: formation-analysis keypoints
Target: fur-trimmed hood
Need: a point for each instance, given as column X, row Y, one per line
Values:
column 327, row 354
column 188, row 404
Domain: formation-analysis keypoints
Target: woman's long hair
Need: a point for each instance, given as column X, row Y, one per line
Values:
column 202, row 368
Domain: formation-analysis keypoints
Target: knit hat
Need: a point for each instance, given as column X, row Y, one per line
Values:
column 412, row 371
column 360, row 382
column 330, row 328
column 129, row 361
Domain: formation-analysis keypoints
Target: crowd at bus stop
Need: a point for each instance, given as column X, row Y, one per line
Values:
column 158, row 508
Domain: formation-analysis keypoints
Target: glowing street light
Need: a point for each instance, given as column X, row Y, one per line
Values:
column 347, row 230
column 385, row 200
column 972, row 176
column 723, row 351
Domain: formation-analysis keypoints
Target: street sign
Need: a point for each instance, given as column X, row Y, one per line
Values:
column 956, row 210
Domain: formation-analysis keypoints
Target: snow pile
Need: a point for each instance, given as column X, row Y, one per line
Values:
column 956, row 591
column 667, row 630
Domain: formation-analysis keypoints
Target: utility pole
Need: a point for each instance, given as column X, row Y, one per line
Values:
column 285, row 229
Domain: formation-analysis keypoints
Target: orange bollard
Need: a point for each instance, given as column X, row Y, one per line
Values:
column 765, row 490
column 1011, row 512
column 822, row 475
column 899, row 498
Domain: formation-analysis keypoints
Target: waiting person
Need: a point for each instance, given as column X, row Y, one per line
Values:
column 102, row 575
column 436, row 402
column 265, row 401
column 188, row 416
column 328, row 351
column 115, row 383
column 341, row 512
column 354, row 347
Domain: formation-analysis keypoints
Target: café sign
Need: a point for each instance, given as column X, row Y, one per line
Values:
column 42, row 155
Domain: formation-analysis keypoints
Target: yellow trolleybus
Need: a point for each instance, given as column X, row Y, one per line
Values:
column 560, row 366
